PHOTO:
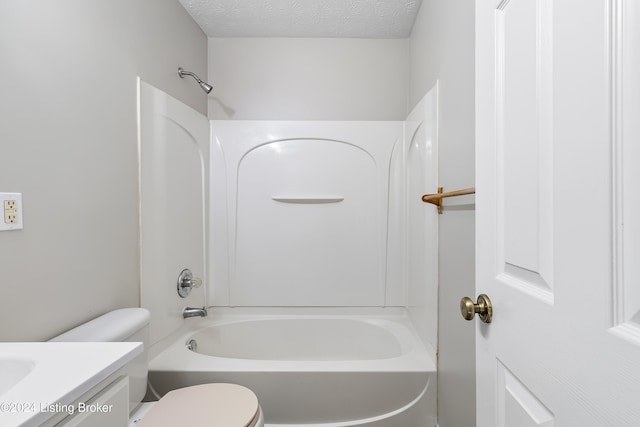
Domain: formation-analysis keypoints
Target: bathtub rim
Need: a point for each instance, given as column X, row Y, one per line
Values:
column 164, row 354
column 400, row 335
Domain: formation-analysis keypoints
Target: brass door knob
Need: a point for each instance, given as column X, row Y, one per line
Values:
column 482, row 307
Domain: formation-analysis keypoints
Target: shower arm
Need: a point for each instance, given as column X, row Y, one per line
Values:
column 204, row 85
column 183, row 73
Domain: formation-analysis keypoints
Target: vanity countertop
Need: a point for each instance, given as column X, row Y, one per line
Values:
column 40, row 379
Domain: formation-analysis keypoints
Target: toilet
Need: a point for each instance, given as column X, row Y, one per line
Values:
column 205, row 405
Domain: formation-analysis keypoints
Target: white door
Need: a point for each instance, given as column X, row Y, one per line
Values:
column 558, row 212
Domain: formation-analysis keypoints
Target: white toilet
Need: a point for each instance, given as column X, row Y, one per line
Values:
column 205, row 405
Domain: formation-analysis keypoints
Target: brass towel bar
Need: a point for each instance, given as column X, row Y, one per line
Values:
column 436, row 199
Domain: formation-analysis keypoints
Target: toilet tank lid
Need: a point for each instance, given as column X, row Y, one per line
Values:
column 115, row 326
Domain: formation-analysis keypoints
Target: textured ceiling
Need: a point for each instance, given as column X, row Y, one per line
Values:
column 304, row 18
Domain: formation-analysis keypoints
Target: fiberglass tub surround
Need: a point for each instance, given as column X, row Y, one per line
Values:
column 309, row 214
column 309, row 366
column 324, row 301
column 305, row 212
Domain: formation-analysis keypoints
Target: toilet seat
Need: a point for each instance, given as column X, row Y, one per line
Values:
column 205, row 405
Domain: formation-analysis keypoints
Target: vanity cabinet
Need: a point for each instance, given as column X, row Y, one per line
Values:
column 106, row 405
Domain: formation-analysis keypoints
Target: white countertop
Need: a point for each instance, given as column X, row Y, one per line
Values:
column 61, row 373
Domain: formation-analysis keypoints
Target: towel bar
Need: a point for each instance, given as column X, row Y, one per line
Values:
column 436, row 199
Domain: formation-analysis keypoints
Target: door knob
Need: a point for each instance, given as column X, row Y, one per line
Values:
column 483, row 307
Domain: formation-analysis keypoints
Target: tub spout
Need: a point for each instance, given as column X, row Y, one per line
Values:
column 194, row 312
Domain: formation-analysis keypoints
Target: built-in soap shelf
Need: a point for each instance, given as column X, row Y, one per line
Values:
column 306, row 200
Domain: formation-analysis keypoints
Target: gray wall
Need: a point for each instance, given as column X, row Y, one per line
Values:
column 68, row 139
column 68, row 135
column 442, row 48
column 308, row 79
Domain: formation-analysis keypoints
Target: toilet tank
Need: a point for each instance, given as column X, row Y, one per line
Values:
column 124, row 325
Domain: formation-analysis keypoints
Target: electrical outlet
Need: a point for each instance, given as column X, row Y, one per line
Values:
column 12, row 208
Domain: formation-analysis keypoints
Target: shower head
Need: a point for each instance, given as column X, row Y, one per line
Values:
column 204, row 85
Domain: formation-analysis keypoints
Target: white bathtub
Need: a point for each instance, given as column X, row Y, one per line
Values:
column 310, row 367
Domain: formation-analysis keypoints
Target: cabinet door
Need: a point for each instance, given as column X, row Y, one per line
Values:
column 108, row 408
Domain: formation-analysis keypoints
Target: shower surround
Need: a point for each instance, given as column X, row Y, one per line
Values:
column 317, row 225
column 305, row 209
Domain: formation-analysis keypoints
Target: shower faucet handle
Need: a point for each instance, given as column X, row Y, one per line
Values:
column 196, row 282
column 186, row 282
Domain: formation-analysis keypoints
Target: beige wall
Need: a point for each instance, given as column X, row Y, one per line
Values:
column 442, row 48
column 308, row 79
column 68, row 136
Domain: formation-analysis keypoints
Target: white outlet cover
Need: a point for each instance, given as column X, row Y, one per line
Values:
column 18, row 208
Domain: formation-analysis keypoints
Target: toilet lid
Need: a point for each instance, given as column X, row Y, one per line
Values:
column 206, row 405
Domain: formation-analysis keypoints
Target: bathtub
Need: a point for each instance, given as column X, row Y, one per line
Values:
column 309, row 367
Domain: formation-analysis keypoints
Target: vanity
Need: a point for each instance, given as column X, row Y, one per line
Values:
column 65, row 383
